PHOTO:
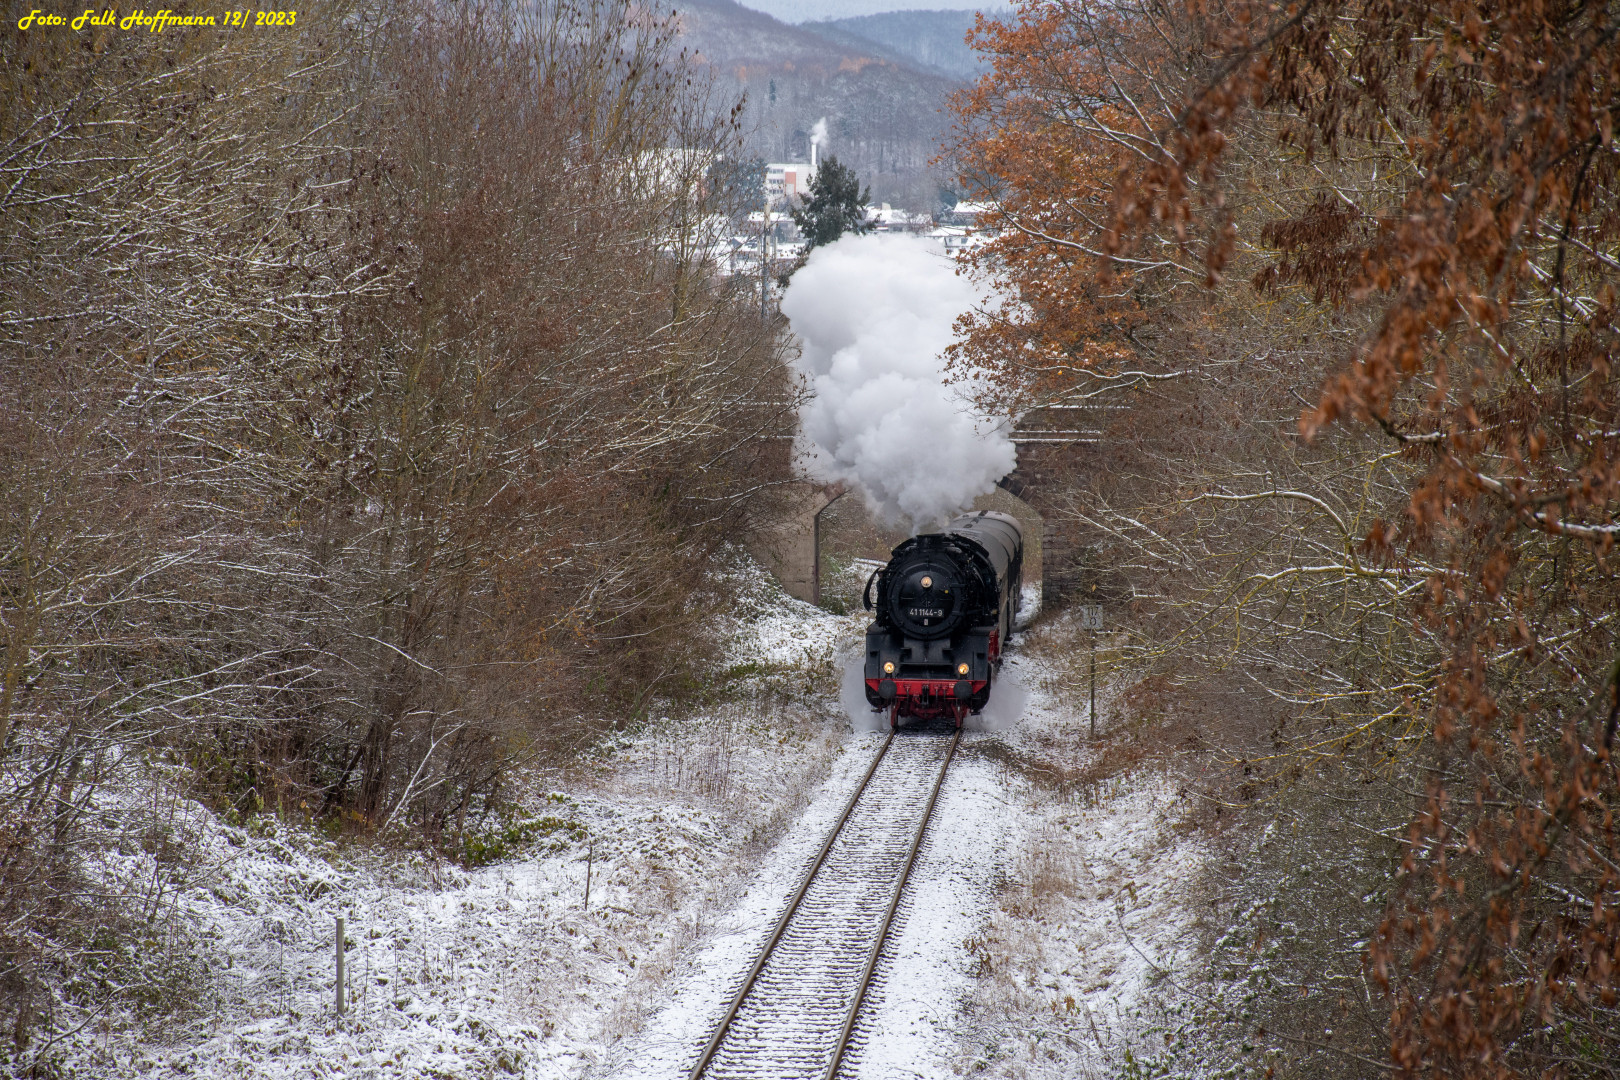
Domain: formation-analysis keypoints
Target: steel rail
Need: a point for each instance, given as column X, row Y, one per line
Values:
column 888, row 916
column 793, row 906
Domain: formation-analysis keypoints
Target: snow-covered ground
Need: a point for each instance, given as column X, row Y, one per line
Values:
column 1025, row 903
column 910, row 1018
column 1028, row 900
column 1080, row 961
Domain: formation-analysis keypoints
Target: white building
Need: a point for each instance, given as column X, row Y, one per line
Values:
column 967, row 225
column 972, row 214
column 786, row 180
column 886, row 219
column 955, row 239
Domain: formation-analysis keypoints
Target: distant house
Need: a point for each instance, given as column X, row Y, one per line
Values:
column 739, row 255
column 955, row 239
column 782, row 228
column 886, row 219
column 785, row 180
column 965, row 226
column 973, row 215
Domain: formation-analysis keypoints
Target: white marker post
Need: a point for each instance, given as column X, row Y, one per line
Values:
column 338, row 995
column 1091, row 619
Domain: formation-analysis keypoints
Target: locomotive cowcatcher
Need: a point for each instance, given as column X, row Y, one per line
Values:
column 946, row 604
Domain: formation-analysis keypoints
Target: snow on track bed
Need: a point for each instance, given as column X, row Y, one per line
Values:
column 788, row 1025
column 909, row 1022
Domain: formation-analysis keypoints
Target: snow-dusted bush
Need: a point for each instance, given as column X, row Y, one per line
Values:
column 367, row 419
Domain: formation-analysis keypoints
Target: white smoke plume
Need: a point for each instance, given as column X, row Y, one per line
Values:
column 873, row 315
column 818, row 133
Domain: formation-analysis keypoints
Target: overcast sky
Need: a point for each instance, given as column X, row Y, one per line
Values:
column 795, row 11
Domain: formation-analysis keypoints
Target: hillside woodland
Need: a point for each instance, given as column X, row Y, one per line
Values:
column 365, row 419
column 1336, row 281
column 886, row 113
column 932, row 40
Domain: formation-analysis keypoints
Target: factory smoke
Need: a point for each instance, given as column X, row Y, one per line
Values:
column 873, row 315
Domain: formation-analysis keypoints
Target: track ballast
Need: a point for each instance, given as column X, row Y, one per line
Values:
column 796, row 1009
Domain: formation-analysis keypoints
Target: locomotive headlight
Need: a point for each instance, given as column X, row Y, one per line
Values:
column 961, row 669
column 888, row 667
column 927, row 582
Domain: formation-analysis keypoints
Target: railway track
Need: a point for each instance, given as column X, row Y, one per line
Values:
column 797, row 1007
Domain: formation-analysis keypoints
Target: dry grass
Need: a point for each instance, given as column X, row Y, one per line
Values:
column 1166, row 899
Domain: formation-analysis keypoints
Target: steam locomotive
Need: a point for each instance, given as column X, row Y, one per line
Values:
column 945, row 607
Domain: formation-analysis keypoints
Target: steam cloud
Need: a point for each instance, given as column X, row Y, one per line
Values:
column 874, row 316
column 818, row 132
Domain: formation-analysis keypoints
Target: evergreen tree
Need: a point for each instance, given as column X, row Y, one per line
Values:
column 836, row 205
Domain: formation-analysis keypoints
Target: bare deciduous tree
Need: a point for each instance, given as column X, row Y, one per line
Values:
column 367, row 410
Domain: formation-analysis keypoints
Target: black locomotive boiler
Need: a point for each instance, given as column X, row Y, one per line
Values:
column 945, row 607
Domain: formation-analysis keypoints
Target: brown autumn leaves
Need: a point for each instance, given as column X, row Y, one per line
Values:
column 367, row 416
column 1337, row 281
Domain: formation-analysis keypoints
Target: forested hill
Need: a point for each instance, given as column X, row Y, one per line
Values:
column 933, row 40
column 885, row 113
